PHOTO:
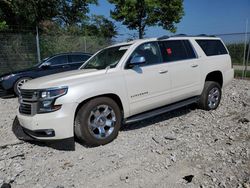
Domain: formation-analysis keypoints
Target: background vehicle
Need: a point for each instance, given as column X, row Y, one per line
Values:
column 126, row 82
column 10, row 83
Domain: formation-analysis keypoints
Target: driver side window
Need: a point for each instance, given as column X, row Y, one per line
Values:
column 59, row 60
column 150, row 51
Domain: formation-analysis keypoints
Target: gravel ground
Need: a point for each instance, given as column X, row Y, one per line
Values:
column 185, row 148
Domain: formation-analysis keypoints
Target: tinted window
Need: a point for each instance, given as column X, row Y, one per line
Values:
column 150, row 51
column 175, row 50
column 62, row 59
column 212, row 47
column 78, row 58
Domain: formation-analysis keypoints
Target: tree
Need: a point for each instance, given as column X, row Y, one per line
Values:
column 24, row 13
column 101, row 26
column 139, row 14
column 31, row 13
column 72, row 12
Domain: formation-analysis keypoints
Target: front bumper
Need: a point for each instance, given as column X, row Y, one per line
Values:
column 21, row 133
column 50, row 126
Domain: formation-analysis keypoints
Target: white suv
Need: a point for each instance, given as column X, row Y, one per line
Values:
column 124, row 83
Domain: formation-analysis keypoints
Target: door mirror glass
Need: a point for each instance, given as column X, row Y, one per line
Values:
column 137, row 60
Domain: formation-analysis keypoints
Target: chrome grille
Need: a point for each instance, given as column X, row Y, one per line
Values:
column 28, row 102
column 27, row 94
column 25, row 108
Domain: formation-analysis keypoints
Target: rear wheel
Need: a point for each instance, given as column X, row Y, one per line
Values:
column 98, row 121
column 19, row 83
column 211, row 96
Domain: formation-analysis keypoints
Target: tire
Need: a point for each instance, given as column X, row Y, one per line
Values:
column 98, row 121
column 19, row 83
column 211, row 96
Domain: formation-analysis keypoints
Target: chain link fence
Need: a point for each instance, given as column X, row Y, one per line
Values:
column 20, row 49
column 238, row 45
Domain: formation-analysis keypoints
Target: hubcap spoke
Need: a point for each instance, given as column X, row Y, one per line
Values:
column 97, row 113
column 109, row 123
column 102, row 132
column 93, row 126
column 106, row 112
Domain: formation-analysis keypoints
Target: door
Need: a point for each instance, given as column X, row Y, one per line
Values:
column 184, row 68
column 148, row 85
column 57, row 64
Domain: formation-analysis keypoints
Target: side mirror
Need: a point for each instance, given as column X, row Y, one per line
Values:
column 46, row 65
column 137, row 60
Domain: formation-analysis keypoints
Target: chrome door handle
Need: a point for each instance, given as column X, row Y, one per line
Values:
column 194, row 66
column 163, row 71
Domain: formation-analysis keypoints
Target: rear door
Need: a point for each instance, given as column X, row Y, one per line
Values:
column 184, row 68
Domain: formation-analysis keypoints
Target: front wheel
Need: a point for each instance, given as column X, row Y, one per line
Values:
column 19, row 83
column 211, row 96
column 98, row 121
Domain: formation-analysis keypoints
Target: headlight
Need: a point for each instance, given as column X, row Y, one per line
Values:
column 48, row 97
column 6, row 77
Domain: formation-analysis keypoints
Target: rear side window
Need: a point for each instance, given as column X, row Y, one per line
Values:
column 78, row 58
column 58, row 60
column 212, row 47
column 175, row 50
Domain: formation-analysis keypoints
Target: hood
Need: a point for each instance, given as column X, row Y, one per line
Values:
column 62, row 79
column 19, row 71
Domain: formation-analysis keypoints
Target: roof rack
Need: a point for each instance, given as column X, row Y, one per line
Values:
column 184, row 35
column 163, row 37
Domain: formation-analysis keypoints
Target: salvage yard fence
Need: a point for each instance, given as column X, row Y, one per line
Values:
column 22, row 49
column 19, row 50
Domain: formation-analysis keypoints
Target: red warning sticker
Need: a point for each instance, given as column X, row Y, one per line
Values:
column 169, row 51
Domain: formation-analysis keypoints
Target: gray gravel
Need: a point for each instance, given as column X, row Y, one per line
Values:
column 185, row 148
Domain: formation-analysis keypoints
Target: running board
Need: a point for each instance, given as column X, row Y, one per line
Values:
column 161, row 110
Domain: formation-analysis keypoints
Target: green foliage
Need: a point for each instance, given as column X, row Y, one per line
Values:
column 72, row 12
column 139, row 14
column 236, row 51
column 56, row 17
column 65, row 43
column 238, row 74
column 3, row 25
column 101, row 27
column 27, row 13
column 33, row 12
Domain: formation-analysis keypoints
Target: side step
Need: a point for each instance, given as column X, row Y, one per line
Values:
column 161, row 110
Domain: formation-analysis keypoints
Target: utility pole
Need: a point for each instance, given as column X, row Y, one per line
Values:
column 245, row 49
column 38, row 46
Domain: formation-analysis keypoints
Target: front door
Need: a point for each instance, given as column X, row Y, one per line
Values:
column 148, row 85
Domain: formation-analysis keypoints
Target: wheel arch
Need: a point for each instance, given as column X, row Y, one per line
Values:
column 113, row 96
column 215, row 76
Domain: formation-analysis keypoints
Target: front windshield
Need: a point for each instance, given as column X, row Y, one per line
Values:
column 107, row 57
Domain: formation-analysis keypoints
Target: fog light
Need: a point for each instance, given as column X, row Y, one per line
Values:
column 49, row 132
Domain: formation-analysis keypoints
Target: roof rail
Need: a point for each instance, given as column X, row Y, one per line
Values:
column 184, row 35
column 180, row 35
column 163, row 37
column 205, row 35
